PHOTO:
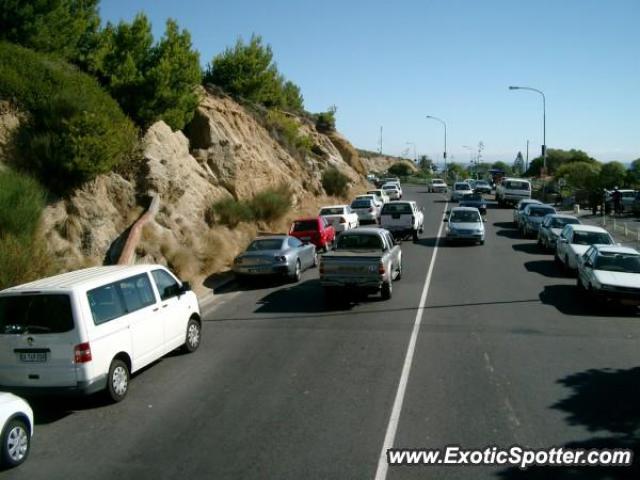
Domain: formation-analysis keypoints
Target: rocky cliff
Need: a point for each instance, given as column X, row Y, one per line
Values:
column 226, row 152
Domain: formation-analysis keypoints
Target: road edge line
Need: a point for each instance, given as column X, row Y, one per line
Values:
column 396, row 410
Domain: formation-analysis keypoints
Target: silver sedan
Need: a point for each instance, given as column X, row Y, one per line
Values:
column 282, row 255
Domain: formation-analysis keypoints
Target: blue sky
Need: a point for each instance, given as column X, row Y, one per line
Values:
column 392, row 63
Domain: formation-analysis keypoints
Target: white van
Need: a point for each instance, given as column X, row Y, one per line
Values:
column 88, row 330
column 512, row 190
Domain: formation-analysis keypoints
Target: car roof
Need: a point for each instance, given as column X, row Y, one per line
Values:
column 561, row 215
column 517, row 179
column 86, row 277
column 586, row 228
column 455, row 209
column 437, row 180
column 334, row 206
column 615, row 249
column 539, row 205
column 302, row 219
column 393, row 202
column 368, row 230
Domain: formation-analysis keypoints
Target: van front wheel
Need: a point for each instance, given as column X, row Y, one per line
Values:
column 118, row 380
column 194, row 334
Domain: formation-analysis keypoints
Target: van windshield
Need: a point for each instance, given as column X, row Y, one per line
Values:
column 35, row 314
column 517, row 185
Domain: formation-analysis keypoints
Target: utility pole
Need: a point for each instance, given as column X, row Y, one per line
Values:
column 526, row 163
column 380, row 139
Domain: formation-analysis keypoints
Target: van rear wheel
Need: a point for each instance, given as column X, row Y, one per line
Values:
column 118, row 380
column 193, row 336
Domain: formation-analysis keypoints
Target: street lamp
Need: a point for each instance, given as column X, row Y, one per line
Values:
column 544, row 131
column 415, row 156
column 470, row 154
column 444, row 155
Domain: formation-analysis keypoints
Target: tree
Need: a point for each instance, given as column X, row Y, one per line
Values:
column 62, row 27
column 580, row 175
column 555, row 158
column 292, row 99
column 633, row 173
column 518, row 164
column 456, row 170
column 612, row 175
column 400, row 169
column 426, row 164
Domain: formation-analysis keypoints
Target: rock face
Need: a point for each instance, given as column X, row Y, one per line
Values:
column 228, row 154
column 381, row 163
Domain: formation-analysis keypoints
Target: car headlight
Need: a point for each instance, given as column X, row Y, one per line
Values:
column 280, row 258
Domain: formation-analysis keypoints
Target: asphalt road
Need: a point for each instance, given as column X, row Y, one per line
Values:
column 283, row 388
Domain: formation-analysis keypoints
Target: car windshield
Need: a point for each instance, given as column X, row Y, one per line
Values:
column 332, row 211
column 591, row 238
column 395, row 208
column 465, row 216
column 390, row 187
column 361, row 204
column 35, row 314
column 305, row 225
column 359, row 242
column 614, row 262
column 540, row 211
column 266, row 244
column 517, row 185
column 561, row 222
column 462, row 186
column 437, row 182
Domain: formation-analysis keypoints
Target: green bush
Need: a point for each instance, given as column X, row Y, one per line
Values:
column 400, row 169
column 271, row 204
column 76, row 131
column 287, row 130
column 326, row 121
column 231, row 212
column 21, row 203
column 335, row 182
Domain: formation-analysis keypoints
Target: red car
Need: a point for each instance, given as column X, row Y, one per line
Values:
column 314, row 230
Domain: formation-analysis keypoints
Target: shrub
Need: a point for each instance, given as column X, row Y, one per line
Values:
column 76, row 131
column 22, row 259
column 400, row 169
column 335, row 182
column 326, row 121
column 271, row 204
column 231, row 212
column 21, row 203
column 288, row 131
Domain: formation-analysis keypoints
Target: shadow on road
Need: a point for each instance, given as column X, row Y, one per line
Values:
column 548, row 268
column 508, row 225
column 443, row 243
column 567, row 299
column 511, row 233
column 51, row 409
column 604, row 402
column 530, row 248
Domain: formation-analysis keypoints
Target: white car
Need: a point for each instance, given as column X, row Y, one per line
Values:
column 16, row 430
column 366, row 209
column 373, row 197
column 512, row 190
column 87, row 331
column 402, row 218
column 381, row 194
column 575, row 240
column 437, row 185
column 465, row 224
column 341, row 217
column 392, row 190
column 610, row 273
column 459, row 190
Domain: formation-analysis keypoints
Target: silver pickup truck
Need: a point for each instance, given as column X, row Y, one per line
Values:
column 366, row 259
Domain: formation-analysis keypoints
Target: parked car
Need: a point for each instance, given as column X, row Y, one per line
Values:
column 575, row 240
column 482, row 186
column 16, row 430
column 610, row 273
column 436, row 185
column 340, row 217
column 532, row 217
column 366, row 259
column 459, row 190
column 381, row 194
column 88, row 330
column 402, row 218
column 519, row 209
column 465, row 224
column 475, row 200
column 276, row 255
column 627, row 198
column 366, row 209
column 471, row 182
column 512, row 190
column 392, row 190
column 551, row 227
column 315, row 230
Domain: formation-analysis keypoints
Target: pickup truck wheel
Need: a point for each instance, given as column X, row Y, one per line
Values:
column 387, row 290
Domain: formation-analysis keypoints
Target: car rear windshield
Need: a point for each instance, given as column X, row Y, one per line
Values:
column 389, row 187
column 359, row 242
column 462, row 186
column 540, row 211
column 393, row 208
column 437, row 182
column 465, row 216
column 517, row 185
column 561, row 222
column 332, row 211
column 35, row 314
column 305, row 225
column 591, row 238
column 361, row 204
column 266, row 244
column 618, row 263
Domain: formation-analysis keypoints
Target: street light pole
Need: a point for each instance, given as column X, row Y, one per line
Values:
column 544, row 131
column 444, row 155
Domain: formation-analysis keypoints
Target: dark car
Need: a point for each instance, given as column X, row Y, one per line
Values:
column 482, row 186
column 474, row 200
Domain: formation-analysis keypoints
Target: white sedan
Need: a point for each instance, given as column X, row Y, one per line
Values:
column 610, row 273
column 341, row 217
column 16, row 418
column 392, row 190
column 575, row 240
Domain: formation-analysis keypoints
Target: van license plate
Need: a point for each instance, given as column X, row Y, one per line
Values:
column 33, row 357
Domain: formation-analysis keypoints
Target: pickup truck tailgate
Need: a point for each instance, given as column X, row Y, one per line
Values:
column 343, row 268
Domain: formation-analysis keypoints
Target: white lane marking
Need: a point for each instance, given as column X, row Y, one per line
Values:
column 392, row 427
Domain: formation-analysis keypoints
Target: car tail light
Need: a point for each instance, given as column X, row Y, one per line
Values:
column 381, row 269
column 82, row 353
column 342, row 220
